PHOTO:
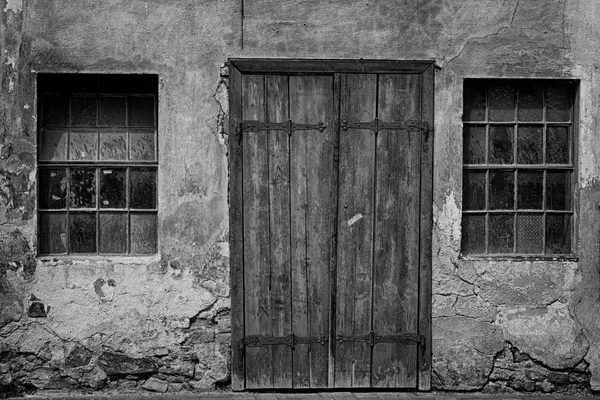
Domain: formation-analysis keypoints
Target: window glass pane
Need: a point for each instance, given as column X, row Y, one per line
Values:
column 113, row 145
column 501, row 144
column 529, row 234
column 112, row 111
column 474, row 144
column 474, row 101
column 530, row 144
column 557, row 145
column 502, row 185
column 83, row 110
column 558, row 234
column 55, row 110
column 113, row 233
column 83, row 188
column 502, row 102
column 53, row 233
column 558, row 190
column 143, row 233
column 82, row 233
column 54, row 145
column 501, row 233
column 53, row 188
column 558, row 102
column 142, row 145
column 113, row 192
column 473, row 234
column 474, row 190
column 141, row 111
column 530, row 105
column 143, row 188
column 530, row 190
column 83, row 144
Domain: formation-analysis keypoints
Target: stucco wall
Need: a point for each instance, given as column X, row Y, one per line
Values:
column 162, row 322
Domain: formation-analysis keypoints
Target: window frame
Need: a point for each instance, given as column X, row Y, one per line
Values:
column 515, row 167
column 97, row 86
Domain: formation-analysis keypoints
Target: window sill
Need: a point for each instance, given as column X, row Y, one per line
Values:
column 516, row 258
column 117, row 259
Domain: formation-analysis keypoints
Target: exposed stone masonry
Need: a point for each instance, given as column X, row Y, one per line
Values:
column 47, row 362
column 516, row 371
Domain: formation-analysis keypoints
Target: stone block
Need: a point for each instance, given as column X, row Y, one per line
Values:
column 178, row 367
column 156, row 385
column 578, row 377
column 78, row 356
column 546, row 387
column 37, row 309
column 528, row 386
column 559, row 378
column 120, row 364
column 95, row 379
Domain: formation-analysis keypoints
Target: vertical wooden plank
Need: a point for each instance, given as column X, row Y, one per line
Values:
column 355, row 230
column 311, row 102
column 334, row 232
column 298, row 206
column 256, row 234
column 279, row 211
column 236, row 230
column 396, row 294
column 426, row 215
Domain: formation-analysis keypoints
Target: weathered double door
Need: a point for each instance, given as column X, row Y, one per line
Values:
column 331, row 228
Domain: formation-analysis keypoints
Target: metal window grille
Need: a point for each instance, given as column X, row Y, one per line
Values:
column 97, row 164
column 518, row 167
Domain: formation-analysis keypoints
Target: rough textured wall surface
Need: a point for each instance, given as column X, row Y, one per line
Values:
column 161, row 323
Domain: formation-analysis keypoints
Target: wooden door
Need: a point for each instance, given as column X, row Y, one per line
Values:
column 330, row 210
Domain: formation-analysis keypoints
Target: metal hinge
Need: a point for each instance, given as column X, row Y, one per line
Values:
column 287, row 126
column 372, row 338
column 290, row 340
column 377, row 125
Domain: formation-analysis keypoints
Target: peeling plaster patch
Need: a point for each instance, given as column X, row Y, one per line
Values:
column 15, row 5
column 548, row 334
column 222, row 97
column 448, row 221
column 11, row 84
column 12, row 61
column 105, row 289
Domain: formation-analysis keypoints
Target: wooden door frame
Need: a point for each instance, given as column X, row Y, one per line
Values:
column 239, row 66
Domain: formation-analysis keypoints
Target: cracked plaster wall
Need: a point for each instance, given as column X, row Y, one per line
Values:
column 161, row 323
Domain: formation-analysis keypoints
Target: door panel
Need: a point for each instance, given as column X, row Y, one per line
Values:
column 332, row 250
column 397, row 232
column 355, row 230
column 257, row 263
column 311, row 102
column 279, row 206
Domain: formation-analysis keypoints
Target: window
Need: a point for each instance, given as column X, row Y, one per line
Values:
column 518, row 140
column 97, row 164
